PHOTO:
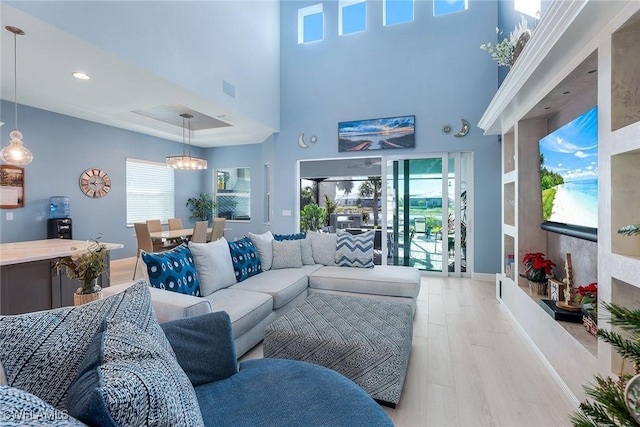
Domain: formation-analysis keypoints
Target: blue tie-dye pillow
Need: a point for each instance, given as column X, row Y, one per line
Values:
column 173, row 270
column 246, row 261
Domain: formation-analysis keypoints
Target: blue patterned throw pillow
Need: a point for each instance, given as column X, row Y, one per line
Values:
column 354, row 250
column 128, row 378
column 173, row 270
column 19, row 408
column 246, row 261
column 296, row 236
column 41, row 352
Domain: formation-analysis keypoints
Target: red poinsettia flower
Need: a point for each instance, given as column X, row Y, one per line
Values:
column 537, row 267
column 590, row 289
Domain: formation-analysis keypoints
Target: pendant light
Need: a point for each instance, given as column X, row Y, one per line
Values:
column 15, row 153
column 185, row 161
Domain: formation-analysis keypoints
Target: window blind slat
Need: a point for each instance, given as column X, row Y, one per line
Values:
column 150, row 191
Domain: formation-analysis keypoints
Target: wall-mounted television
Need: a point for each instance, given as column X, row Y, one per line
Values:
column 569, row 178
column 377, row 134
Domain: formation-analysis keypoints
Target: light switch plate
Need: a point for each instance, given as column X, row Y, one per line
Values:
column 9, row 216
column 286, row 212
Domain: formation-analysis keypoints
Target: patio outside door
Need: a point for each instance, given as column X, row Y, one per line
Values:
column 428, row 212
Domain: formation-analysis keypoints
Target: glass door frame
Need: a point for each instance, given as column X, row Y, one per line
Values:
column 444, row 156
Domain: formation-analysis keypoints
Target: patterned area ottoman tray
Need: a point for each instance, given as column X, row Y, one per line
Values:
column 367, row 340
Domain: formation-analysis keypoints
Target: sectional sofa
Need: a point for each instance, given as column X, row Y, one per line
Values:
column 110, row 363
column 260, row 277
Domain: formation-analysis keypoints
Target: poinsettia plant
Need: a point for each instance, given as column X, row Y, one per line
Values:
column 587, row 296
column 537, row 267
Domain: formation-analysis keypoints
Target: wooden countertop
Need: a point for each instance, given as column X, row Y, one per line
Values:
column 36, row 250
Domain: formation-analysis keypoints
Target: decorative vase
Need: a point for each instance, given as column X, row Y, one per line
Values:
column 538, row 288
column 80, row 298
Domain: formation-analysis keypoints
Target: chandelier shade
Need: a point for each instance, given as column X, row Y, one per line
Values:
column 15, row 153
column 186, row 161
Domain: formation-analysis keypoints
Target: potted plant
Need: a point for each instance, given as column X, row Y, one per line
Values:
column 312, row 217
column 86, row 265
column 201, row 207
column 537, row 269
column 587, row 299
column 507, row 51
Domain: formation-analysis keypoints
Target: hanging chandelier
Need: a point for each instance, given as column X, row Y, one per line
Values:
column 186, row 161
column 15, row 153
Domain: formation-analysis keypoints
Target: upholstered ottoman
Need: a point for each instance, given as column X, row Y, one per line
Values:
column 366, row 340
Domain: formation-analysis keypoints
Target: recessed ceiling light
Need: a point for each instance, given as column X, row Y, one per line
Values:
column 80, row 75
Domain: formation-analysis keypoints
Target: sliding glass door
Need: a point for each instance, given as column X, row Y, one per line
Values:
column 427, row 212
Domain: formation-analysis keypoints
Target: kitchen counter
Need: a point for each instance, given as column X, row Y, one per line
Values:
column 36, row 250
column 29, row 280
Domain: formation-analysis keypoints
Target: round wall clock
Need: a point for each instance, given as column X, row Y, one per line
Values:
column 95, row 183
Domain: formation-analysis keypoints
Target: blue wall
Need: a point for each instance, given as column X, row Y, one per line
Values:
column 432, row 67
column 63, row 147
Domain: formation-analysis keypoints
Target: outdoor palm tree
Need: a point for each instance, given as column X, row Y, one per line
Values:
column 372, row 187
column 346, row 186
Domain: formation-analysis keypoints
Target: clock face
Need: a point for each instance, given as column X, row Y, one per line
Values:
column 95, row 183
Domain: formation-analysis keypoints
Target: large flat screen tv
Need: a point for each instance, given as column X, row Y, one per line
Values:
column 569, row 178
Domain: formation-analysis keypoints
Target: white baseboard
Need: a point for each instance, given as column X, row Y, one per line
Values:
column 484, row 277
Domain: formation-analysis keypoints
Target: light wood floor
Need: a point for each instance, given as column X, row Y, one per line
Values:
column 468, row 365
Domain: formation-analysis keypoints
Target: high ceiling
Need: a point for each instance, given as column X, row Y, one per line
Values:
column 119, row 93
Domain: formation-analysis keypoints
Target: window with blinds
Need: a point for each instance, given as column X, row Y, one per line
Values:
column 150, row 191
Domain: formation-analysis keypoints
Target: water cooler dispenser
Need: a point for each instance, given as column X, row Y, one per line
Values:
column 59, row 223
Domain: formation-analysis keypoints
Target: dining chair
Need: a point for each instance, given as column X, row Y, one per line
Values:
column 145, row 243
column 154, row 225
column 200, row 232
column 175, row 224
column 217, row 232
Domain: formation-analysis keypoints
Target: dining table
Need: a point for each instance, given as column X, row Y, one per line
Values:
column 159, row 236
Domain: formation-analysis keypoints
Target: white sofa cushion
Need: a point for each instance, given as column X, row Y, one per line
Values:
column 387, row 280
column 307, row 252
column 286, row 254
column 262, row 242
column 283, row 285
column 214, row 265
column 324, row 247
column 246, row 309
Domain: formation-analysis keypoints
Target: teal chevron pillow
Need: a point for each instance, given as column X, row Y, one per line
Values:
column 246, row 261
column 354, row 251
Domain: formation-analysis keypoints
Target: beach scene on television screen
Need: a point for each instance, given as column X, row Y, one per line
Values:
column 377, row 134
column 569, row 172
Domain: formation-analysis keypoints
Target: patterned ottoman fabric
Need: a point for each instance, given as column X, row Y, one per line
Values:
column 366, row 340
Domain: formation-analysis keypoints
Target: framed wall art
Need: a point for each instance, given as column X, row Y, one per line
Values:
column 377, row 134
column 11, row 187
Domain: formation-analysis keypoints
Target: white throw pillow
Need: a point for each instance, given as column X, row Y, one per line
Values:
column 262, row 242
column 307, row 252
column 286, row 254
column 324, row 247
column 214, row 265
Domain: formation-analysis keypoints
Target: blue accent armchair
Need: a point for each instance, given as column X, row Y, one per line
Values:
column 263, row 392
